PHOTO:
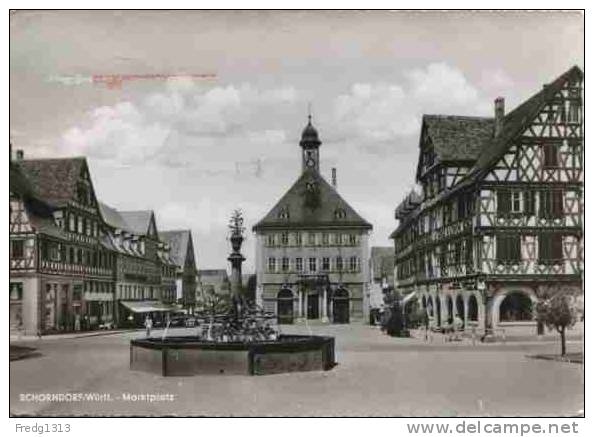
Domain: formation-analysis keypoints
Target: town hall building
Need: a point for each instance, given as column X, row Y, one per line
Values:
column 312, row 250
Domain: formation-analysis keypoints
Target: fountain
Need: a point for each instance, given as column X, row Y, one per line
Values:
column 234, row 336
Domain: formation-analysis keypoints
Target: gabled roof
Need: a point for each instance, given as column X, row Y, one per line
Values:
column 138, row 221
column 112, row 217
column 516, row 121
column 456, row 137
column 179, row 242
column 54, row 180
column 292, row 210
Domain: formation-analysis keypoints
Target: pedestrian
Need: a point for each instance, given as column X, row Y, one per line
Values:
column 148, row 324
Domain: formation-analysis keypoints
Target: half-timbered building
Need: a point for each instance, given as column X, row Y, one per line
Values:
column 61, row 275
column 499, row 219
column 312, row 250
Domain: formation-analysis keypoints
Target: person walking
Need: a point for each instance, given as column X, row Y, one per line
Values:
column 148, row 324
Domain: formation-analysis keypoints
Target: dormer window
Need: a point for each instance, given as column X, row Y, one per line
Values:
column 283, row 214
column 340, row 213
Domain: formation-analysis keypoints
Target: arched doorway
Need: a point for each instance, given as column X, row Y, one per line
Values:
column 340, row 306
column 472, row 308
column 438, row 310
column 460, row 309
column 285, row 306
column 516, row 307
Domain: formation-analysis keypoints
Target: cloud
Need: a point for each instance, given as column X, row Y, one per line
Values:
column 382, row 112
column 182, row 115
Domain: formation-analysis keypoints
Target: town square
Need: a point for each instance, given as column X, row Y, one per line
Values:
column 349, row 225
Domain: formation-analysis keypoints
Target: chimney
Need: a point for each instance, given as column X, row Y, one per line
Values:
column 334, row 177
column 499, row 114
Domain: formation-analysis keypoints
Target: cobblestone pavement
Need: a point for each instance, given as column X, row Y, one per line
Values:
column 376, row 376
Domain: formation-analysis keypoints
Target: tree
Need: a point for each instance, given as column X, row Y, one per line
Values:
column 558, row 311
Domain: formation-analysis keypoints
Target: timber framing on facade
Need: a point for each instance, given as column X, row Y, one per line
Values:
column 499, row 220
column 76, row 263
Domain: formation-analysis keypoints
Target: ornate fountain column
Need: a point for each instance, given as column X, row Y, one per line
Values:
column 236, row 258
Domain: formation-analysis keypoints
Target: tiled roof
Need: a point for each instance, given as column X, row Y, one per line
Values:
column 54, row 180
column 138, row 221
column 516, row 121
column 458, row 138
column 178, row 242
column 135, row 222
column 327, row 210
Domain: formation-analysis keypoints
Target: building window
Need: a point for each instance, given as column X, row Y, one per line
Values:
column 270, row 239
column 298, row 239
column 353, row 264
column 80, row 225
column 18, row 248
column 551, row 204
column 299, row 264
column 574, row 112
column 272, row 265
column 352, row 240
column 325, row 239
column 340, row 213
column 284, row 239
column 325, row 264
column 550, row 248
column 516, row 201
column 311, row 239
column 285, row 264
column 313, row 265
column 71, row 223
column 550, row 155
column 339, row 263
column 508, row 248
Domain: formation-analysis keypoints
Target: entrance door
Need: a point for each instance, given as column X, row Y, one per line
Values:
column 340, row 307
column 285, row 306
column 313, row 306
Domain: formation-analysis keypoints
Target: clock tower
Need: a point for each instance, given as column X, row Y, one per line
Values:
column 310, row 145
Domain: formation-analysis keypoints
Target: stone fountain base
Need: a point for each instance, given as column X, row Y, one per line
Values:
column 187, row 356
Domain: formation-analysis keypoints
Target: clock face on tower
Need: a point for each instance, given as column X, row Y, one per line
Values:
column 310, row 162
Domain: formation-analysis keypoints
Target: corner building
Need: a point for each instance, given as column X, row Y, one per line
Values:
column 500, row 218
column 312, row 250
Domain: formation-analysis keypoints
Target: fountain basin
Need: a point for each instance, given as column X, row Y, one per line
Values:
column 186, row 356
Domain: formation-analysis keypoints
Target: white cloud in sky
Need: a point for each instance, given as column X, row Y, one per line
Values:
column 193, row 154
column 372, row 112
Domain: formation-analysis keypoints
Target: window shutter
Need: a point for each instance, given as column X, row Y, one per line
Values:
column 544, row 204
column 503, row 202
column 557, row 203
column 557, row 247
column 501, row 247
column 529, row 202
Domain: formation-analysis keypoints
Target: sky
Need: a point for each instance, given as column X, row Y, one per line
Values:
column 209, row 111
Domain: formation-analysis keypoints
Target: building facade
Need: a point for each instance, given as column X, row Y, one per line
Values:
column 499, row 221
column 182, row 254
column 213, row 281
column 312, row 250
column 61, row 274
column 144, row 271
column 76, row 263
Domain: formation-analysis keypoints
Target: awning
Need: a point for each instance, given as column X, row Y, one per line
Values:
column 147, row 306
